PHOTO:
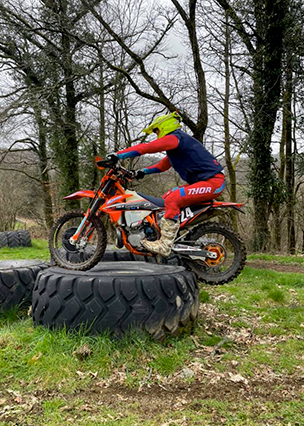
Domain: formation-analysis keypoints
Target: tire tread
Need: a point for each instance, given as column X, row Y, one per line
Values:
column 239, row 263
column 117, row 303
column 16, row 285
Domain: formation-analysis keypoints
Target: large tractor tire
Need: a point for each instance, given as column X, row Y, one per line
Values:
column 3, row 239
column 126, row 256
column 24, row 238
column 17, row 279
column 110, row 256
column 116, row 297
column 12, row 239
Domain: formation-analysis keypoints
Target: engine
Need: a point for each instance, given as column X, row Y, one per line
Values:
column 137, row 231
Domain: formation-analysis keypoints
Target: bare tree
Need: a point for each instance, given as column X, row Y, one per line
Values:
column 263, row 38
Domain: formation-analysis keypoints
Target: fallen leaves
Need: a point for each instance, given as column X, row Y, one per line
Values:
column 238, row 378
column 17, row 404
column 83, row 352
column 36, row 357
column 87, row 374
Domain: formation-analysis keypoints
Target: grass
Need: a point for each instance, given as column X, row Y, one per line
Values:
column 242, row 366
column 38, row 250
column 288, row 259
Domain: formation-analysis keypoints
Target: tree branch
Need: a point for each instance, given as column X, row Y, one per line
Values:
column 238, row 24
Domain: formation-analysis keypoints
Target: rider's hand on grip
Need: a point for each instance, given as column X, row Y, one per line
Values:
column 140, row 174
column 113, row 157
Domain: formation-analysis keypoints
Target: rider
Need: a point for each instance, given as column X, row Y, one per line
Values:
column 194, row 164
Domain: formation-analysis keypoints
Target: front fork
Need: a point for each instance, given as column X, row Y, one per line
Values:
column 74, row 238
column 86, row 221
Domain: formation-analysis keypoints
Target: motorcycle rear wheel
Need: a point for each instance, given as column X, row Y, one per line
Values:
column 226, row 243
column 72, row 257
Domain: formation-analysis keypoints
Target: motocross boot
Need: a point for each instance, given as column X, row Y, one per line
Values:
column 169, row 229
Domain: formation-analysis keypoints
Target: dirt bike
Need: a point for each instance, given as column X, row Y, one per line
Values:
column 78, row 240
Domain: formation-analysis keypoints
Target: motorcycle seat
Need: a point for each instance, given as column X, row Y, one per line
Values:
column 159, row 202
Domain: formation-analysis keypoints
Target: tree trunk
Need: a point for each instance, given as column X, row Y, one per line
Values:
column 43, row 166
column 99, row 149
column 279, row 198
column 102, row 120
column 228, row 159
column 277, row 230
column 266, row 88
column 287, row 129
column 302, row 224
column 190, row 22
column 265, row 48
column 261, row 231
column 70, row 165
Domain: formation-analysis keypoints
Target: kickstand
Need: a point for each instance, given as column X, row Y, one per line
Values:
column 159, row 258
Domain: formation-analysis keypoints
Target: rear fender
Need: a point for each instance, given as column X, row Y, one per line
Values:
column 225, row 205
column 195, row 214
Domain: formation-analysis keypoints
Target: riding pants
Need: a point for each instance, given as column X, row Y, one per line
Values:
column 188, row 195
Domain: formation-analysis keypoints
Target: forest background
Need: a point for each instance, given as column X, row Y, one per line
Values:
column 82, row 78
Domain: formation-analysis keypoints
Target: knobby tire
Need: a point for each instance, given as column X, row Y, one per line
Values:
column 239, row 249
column 61, row 258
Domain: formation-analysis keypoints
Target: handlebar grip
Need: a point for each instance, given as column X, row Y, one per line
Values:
column 110, row 161
column 140, row 174
column 113, row 157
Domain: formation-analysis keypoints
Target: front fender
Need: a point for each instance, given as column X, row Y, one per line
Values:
column 80, row 194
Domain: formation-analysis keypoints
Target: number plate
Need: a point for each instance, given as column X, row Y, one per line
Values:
column 186, row 214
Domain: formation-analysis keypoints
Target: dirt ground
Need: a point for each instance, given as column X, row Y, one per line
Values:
column 153, row 399
column 185, row 394
column 275, row 266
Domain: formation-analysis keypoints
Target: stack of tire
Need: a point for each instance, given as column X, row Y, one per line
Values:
column 126, row 256
column 17, row 279
column 12, row 239
column 121, row 293
column 116, row 297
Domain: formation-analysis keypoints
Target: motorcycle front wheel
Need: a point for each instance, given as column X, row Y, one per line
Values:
column 88, row 250
column 230, row 252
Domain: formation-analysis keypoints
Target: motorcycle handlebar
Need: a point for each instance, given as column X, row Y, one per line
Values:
column 111, row 161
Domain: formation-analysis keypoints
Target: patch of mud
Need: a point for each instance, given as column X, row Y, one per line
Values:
column 153, row 399
column 275, row 266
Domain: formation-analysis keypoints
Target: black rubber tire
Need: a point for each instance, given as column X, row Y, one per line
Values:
column 12, row 239
column 64, row 259
column 126, row 256
column 3, row 239
column 121, row 256
column 24, row 238
column 110, row 256
column 17, row 279
column 238, row 245
column 160, row 299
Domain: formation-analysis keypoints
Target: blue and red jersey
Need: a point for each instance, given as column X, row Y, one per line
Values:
column 185, row 154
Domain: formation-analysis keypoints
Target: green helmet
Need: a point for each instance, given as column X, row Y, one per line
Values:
column 165, row 124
